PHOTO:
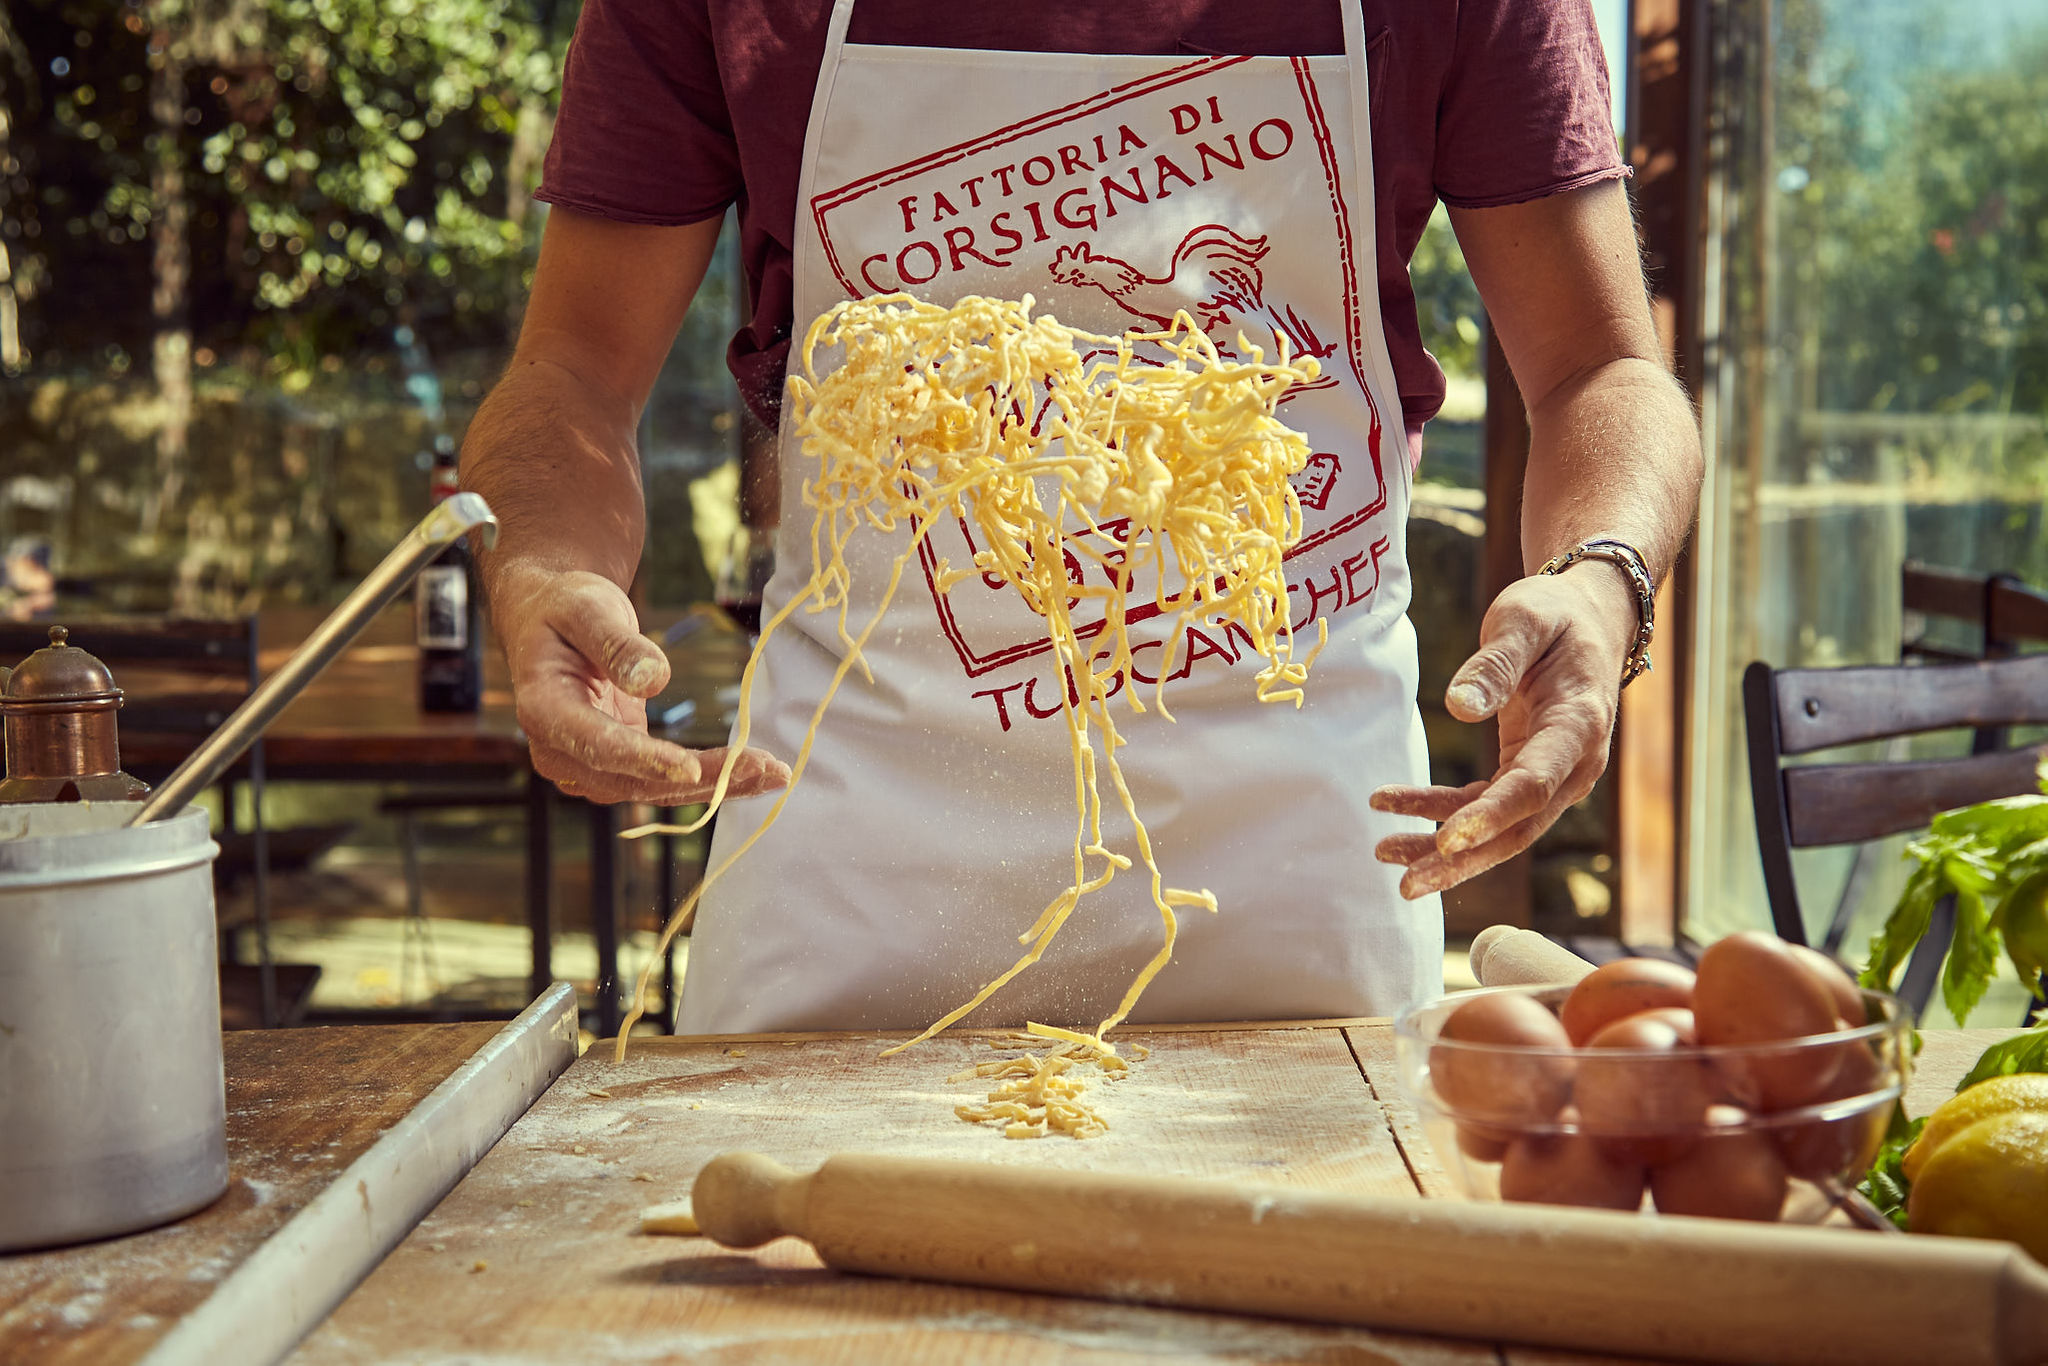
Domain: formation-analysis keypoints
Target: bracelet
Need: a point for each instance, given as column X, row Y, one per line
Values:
column 1630, row 561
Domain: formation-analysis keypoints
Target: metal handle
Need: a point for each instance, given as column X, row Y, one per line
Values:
column 453, row 517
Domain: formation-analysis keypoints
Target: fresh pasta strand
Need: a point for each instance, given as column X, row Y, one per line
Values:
column 974, row 411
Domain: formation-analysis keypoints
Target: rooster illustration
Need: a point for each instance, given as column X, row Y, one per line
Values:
column 1214, row 274
column 1221, row 264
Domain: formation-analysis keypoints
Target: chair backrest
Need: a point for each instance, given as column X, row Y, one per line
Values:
column 2005, row 612
column 1800, row 711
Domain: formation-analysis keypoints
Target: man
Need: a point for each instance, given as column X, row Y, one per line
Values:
column 1266, row 168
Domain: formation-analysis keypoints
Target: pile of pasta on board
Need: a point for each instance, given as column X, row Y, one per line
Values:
column 1035, row 435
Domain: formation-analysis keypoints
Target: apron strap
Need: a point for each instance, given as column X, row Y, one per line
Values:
column 821, row 100
column 1361, row 104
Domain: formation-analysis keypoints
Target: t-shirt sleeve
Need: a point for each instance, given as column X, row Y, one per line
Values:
column 643, row 134
column 1526, row 108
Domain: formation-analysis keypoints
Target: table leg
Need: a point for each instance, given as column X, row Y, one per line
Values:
column 266, row 969
column 540, row 882
column 604, row 913
column 230, row 936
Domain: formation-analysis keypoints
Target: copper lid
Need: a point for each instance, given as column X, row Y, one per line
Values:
column 60, row 672
column 57, row 711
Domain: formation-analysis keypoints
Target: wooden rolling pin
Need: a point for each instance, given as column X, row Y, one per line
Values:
column 1691, row 1289
column 1502, row 956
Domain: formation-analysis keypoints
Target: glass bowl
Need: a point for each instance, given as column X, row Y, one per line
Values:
column 1683, row 1130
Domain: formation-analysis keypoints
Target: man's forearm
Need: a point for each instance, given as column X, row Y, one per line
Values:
column 555, row 458
column 1614, row 453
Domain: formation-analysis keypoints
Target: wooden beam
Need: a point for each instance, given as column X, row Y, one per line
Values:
column 1665, row 141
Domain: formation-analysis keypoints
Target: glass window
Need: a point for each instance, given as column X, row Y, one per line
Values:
column 1877, row 289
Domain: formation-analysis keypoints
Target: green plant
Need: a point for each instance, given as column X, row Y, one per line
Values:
column 1885, row 1185
column 1993, row 859
column 2026, row 1052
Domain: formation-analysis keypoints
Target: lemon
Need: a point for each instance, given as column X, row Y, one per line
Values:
column 2024, row 1092
column 1988, row 1181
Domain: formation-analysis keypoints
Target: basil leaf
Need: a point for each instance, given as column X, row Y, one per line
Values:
column 1972, row 954
column 2026, row 1052
column 1902, row 929
column 1983, row 855
column 2022, row 922
column 1886, row 1186
column 2001, row 823
column 1907, row 922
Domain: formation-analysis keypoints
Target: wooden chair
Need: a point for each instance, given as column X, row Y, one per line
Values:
column 181, row 680
column 1998, row 613
column 2001, row 611
column 1794, row 712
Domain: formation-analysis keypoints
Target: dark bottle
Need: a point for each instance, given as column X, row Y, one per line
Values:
column 447, row 622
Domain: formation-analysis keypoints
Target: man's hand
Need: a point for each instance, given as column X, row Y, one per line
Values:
column 581, row 674
column 1549, row 666
column 552, row 450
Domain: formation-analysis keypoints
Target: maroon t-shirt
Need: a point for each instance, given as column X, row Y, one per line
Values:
column 672, row 111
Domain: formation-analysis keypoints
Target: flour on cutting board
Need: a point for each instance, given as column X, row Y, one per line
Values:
column 1188, row 1088
column 895, row 1104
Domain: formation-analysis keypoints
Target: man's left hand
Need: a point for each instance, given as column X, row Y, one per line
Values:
column 1549, row 663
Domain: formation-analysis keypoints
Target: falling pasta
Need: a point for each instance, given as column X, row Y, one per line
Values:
column 986, row 413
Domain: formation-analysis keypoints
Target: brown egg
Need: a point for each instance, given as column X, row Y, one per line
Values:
column 1752, row 989
column 1835, row 1148
column 1481, row 1143
column 1841, row 987
column 1627, row 986
column 1735, row 1175
column 1568, row 1169
column 1640, row 1104
column 1679, row 1018
column 1483, row 1088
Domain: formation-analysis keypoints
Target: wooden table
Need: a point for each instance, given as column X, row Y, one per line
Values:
column 302, row 1105
column 535, row 1256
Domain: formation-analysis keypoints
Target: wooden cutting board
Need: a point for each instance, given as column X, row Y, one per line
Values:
column 536, row 1255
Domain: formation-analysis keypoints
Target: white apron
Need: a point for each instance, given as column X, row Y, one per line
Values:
column 936, row 819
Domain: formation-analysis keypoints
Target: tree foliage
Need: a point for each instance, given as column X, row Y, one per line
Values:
column 1446, row 300
column 1914, row 211
column 349, row 165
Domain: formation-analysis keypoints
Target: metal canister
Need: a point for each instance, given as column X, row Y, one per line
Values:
column 57, row 713
column 112, row 1108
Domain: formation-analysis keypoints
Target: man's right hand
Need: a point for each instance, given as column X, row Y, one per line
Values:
column 581, row 676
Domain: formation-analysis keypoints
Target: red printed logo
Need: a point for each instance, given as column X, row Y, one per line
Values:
column 1317, row 481
column 1188, row 189
column 1215, row 268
